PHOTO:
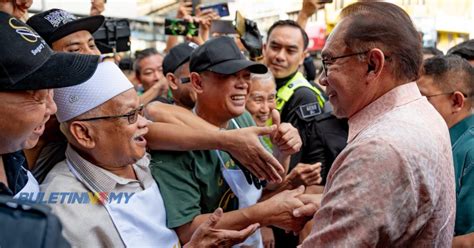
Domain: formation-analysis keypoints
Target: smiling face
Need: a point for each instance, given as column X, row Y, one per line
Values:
column 284, row 51
column 261, row 100
column 345, row 82
column 24, row 115
column 222, row 97
column 151, row 71
column 78, row 42
column 117, row 142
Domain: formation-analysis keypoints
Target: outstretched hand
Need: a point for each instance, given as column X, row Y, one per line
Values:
column 312, row 202
column 305, row 174
column 244, row 145
column 206, row 235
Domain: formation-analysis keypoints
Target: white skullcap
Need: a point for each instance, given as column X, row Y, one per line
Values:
column 107, row 82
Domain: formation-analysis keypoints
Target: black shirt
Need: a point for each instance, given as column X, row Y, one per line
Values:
column 323, row 135
column 16, row 175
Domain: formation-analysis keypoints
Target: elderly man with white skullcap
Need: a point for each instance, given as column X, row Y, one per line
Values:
column 106, row 163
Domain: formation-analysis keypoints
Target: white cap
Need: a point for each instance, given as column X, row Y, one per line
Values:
column 107, row 82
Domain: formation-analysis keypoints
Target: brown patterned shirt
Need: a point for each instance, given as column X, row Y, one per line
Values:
column 393, row 185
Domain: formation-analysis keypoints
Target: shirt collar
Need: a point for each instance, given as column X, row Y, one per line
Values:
column 280, row 82
column 101, row 180
column 456, row 131
column 17, row 177
column 396, row 97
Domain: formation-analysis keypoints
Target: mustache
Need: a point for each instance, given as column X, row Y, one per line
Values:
column 140, row 134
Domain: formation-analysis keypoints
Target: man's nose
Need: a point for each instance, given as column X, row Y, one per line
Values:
column 142, row 121
column 323, row 80
column 280, row 56
column 51, row 107
column 265, row 107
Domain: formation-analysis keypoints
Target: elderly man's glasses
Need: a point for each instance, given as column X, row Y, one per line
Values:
column 329, row 60
column 131, row 116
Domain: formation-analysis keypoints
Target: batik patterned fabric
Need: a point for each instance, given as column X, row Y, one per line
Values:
column 393, row 185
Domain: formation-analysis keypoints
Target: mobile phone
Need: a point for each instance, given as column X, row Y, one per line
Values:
column 239, row 23
column 222, row 27
column 324, row 1
column 221, row 8
column 194, row 5
column 181, row 27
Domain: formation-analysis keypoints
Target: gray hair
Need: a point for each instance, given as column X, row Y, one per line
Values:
column 263, row 78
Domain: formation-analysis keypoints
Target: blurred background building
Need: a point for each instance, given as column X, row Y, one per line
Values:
column 443, row 23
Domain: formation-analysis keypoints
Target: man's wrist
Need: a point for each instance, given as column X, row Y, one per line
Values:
column 258, row 213
column 222, row 140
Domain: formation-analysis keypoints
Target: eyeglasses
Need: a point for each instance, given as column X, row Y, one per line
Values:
column 327, row 61
column 131, row 116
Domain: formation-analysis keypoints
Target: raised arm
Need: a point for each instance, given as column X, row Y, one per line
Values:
column 175, row 128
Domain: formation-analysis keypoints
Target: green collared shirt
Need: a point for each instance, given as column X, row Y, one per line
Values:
column 191, row 182
column 462, row 141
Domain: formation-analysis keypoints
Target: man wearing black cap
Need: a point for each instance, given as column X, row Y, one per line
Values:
column 176, row 70
column 28, row 72
column 61, row 28
column 65, row 32
column 28, row 69
column 196, row 183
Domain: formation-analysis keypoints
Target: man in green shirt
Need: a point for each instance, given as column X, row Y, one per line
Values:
column 448, row 83
column 195, row 183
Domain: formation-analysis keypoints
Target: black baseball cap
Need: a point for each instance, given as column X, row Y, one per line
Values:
column 177, row 56
column 221, row 55
column 28, row 63
column 55, row 24
column 464, row 49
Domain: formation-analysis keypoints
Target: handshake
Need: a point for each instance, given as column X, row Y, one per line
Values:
column 290, row 209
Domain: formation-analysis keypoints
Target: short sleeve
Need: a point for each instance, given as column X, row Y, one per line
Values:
column 173, row 171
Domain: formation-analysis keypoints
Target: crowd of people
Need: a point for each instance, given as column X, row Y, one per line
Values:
column 234, row 141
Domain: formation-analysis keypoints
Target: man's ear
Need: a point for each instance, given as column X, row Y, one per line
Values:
column 196, row 82
column 172, row 80
column 375, row 63
column 303, row 56
column 457, row 101
column 83, row 134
